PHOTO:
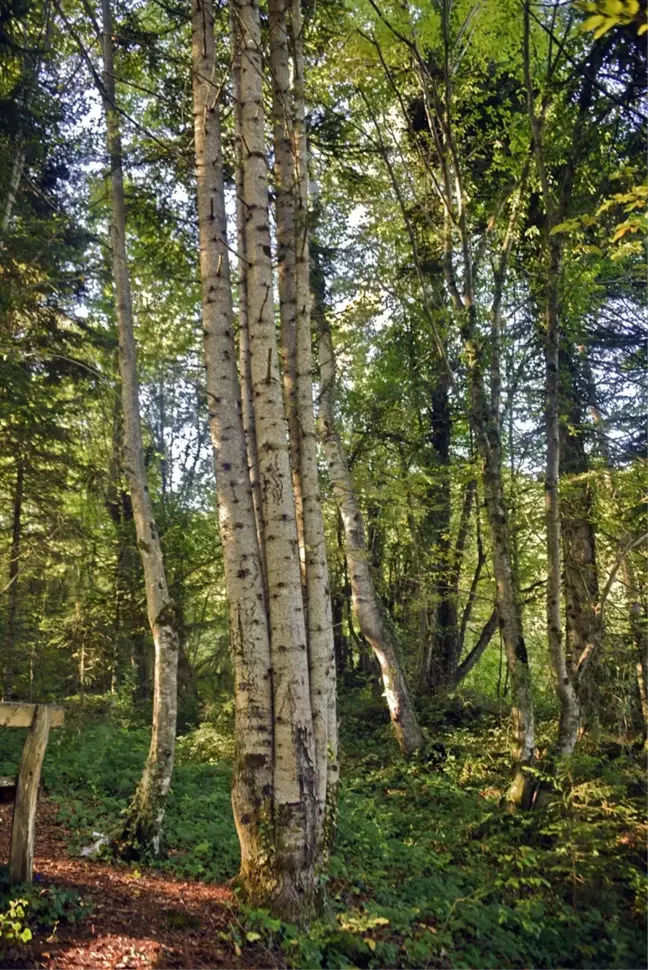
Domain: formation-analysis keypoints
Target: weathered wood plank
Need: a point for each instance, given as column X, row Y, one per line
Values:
column 21, row 715
column 21, row 856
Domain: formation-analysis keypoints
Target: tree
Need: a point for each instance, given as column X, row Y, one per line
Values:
column 280, row 805
column 146, row 813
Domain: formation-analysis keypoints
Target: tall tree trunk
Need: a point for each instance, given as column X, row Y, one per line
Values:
column 146, row 812
column 319, row 614
column 9, row 658
column 286, row 192
column 365, row 599
column 291, row 182
column 245, row 371
column 249, row 637
column 295, row 782
column 483, row 413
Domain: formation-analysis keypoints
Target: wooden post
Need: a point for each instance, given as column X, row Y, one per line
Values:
column 21, row 859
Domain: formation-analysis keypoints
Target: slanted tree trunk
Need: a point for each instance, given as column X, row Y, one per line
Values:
column 295, row 780
column 363, row 593
column 473, row 657
column 9, row 653
column 146, row 812
column 249, row 636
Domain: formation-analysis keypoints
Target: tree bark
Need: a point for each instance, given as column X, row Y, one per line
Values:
column 291, row 182
column 449, row 635
column 249, row 638
column 295, row 782
column 483, row 415
column 245, row 371
column 23, row 829
column 319, row 614
column 146, row 812
column 286, row 192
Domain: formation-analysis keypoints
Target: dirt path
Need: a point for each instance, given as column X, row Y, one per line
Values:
column 136, row 920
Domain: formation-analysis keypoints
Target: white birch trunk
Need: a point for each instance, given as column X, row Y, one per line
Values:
column 146, row 812
column 291, row 185
column 286, row 190
column 245, row 371
column 294, row 767
column 252, row 792
column 319, row 613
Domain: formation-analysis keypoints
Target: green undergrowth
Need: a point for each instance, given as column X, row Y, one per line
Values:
column 92, row 772
column 428, row 870
column 35, row 907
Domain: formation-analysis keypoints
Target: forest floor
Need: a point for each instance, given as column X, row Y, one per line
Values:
column 428, row 870
column 136, row 918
